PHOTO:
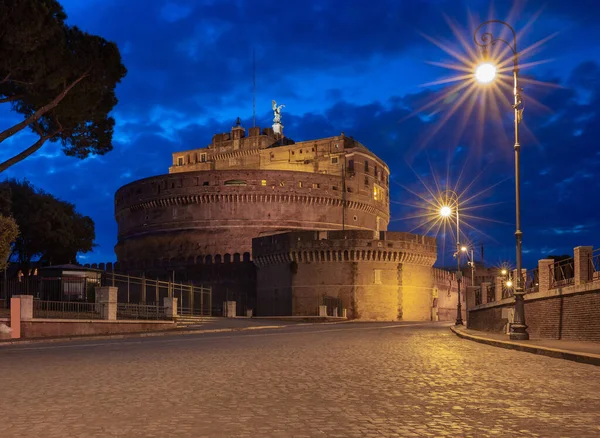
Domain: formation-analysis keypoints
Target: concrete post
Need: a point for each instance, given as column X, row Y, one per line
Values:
column 545, row 273
column 249, row 313
column 335, row 312
column 470, row 303
column 26, row 307
column 107, row 299
column 170, row 305
column 344, row 313
column 583, row 261
column 15, row 317
column 229, row 309
column 484, row 292
column 322, row 310
column 499, row 285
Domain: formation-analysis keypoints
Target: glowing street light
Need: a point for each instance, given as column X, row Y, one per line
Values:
column 450, row 196
column 508, row 283
column 485, row 73
column 503, row 272
column 463, row 248
column 518, row 330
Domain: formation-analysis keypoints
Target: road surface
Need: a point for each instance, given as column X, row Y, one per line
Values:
column 346, row 380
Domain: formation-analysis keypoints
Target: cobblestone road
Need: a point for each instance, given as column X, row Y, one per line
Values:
column 356, row 380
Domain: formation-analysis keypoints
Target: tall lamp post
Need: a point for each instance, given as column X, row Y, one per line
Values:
column 485, row 73
column 451, row 198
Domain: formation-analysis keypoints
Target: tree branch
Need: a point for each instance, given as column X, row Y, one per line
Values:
column 27, row 152
column 39, row 113
column 11, row 98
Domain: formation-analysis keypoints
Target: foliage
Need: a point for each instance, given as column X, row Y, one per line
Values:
column 8, row 233
column 59, row 78
column 50, row 229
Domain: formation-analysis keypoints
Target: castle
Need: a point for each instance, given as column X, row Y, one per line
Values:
column 270, row 223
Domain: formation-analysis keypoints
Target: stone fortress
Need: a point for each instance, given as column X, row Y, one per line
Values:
column 280, row 227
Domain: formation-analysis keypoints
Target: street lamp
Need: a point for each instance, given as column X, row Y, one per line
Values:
column 451, row 199
column 486, row 73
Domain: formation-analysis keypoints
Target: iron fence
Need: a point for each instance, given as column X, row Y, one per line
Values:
column 491, row 293
column 67, row 310
column 507, row 292
column 532, row 281
column 141, row 311
column 594, row 266
column 562, row 273
column 191, row 299
column 478, row 294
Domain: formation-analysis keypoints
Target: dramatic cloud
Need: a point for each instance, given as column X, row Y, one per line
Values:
column 357, row 68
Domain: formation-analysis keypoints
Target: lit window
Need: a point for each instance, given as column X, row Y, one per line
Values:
column 263, row 182
column 300, row 184
column 378, row 193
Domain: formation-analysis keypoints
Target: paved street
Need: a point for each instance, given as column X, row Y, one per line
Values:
column 356, row 380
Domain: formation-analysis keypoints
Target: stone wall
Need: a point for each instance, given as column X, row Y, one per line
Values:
column 562, row 300
column 385, row 278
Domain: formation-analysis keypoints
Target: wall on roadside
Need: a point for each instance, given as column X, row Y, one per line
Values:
column 47, row 328
column 566, row 314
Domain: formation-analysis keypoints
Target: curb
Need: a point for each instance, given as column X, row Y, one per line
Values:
column 587, row 358
column 133, row 335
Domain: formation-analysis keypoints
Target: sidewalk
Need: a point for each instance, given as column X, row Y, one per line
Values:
column 584, row 352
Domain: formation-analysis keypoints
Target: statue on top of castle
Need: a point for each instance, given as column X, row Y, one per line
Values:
column 277, row 112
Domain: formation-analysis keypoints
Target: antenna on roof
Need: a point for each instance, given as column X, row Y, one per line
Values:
column 253, row 88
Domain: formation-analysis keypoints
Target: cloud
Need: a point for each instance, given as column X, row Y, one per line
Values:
column 340, row 66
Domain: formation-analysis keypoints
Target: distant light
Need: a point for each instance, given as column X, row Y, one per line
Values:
column 509, row 283
column 445, row 211
column 463, row 248
column 503, row 272
column 485, row 73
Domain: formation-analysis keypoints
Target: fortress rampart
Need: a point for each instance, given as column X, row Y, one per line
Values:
column 375, row 276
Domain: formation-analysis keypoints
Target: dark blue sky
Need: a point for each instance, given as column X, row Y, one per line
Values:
column 357, row 67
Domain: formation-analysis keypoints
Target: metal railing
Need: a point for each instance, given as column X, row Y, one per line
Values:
column 594, row 266
column 532, row 280
column 562, row 273
column 491, row 293
column 67, row 310
column 191, row 299
column 141, row 311
column 478, row 295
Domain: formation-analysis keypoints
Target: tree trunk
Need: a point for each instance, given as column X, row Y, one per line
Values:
column 27, row 152
column 39, row 113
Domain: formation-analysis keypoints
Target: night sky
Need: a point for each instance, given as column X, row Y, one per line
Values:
column 362, row 68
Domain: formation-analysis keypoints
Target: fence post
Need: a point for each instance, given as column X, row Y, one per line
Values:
column 143, row 297
column 156, row 294
column 210, row 302
column 191, row 298
column 545, row 273
column 582, row 260
column 127, row 288
column 15, row 317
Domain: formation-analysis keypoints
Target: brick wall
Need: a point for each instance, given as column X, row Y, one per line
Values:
column 566, row 316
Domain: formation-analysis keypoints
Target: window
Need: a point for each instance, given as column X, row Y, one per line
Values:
column 376, row 173
column 300, row 150
column 180, row 161
column 351, row 165
column 281, row 183
column 300, row 184
column 377, row 279
column 334, row 160
column 203, row 158
column 263, row 182
column 367, row 181
column 316, row 186
column 205, row 183
column 334, row 188
column 366, row 166
column 378, row 193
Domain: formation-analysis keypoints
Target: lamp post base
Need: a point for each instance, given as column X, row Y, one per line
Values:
column 459, row 322
column 518, row 332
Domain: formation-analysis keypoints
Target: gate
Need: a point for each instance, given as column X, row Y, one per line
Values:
column 333, row 303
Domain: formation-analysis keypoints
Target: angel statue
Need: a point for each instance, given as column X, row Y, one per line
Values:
column 277, row 112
